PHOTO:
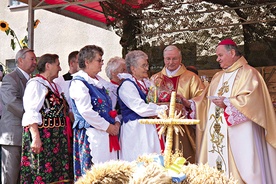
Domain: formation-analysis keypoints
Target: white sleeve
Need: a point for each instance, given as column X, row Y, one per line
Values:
column 33, row 100
column 80, row 94
column 131, row 98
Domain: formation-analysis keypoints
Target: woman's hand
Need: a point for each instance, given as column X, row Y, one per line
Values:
column 113, row 129
column 118, row 124
column 36, row 143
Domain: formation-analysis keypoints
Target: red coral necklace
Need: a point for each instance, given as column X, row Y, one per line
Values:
column 54, row 87
column 113, row 82
column 142, row 87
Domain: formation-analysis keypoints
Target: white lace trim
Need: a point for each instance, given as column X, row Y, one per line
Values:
column 193, row 107
column 235, row 116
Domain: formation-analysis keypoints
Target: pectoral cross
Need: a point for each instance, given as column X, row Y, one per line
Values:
column 170, row 122
column 224, row 88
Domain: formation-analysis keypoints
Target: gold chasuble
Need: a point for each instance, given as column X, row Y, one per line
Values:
column 247, row 150
column 188, row 85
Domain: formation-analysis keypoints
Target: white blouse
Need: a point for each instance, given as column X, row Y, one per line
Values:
column 33, row 100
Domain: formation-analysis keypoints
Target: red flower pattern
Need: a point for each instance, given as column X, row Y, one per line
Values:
column 54, row 99
column 100, row 101
column 39, row 178
column 56, row 150
column 112, row 113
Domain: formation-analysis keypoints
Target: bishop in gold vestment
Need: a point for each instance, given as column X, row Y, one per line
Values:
column 237, row 130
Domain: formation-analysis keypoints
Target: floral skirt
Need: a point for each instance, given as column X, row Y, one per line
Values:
column 52, row 164
column 82, row 157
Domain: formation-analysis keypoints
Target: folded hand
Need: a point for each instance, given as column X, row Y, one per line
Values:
column 113, row 129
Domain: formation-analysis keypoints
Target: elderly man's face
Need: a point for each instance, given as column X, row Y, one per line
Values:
column 28, row 64
column 225, row 58
column 172, row 59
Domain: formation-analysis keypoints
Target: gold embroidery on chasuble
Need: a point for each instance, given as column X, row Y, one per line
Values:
column 171, row 82
column 217, row 138
column 218, row 128
column 225, row 86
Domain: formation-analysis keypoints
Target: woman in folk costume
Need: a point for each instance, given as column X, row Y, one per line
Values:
column 45, row 155
column 96, row 124
column 137, row 139
column 239, row 131
column 115, row 66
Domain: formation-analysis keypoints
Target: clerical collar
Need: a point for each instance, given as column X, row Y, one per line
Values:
column 170, row 74
column 27, row 76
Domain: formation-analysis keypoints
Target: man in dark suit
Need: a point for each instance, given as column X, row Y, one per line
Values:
column 12, row 90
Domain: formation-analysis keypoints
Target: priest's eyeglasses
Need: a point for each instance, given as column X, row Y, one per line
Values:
column 171, row 59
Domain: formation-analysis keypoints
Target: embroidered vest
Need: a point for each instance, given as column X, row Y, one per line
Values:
column 128, row 114
column 100, row 101
column 52, row 111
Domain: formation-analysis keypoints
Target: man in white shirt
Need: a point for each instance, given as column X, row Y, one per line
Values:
column 64, row 80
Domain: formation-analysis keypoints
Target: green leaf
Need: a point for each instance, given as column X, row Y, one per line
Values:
column 12, row 33
column 8, row 31
column 12, row 44
column 25, row 39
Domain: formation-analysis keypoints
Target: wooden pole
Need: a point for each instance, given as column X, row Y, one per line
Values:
column 30, row 25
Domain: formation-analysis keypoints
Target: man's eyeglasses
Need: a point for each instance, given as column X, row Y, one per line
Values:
column 171, row 59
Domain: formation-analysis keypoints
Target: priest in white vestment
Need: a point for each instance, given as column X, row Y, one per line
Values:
column 237, row 132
